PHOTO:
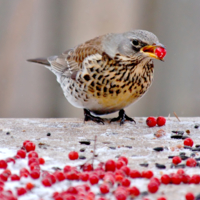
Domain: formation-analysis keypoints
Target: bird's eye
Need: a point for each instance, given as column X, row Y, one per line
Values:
column 135, row 42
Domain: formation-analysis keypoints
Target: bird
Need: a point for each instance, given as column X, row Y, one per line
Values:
column 107, row 73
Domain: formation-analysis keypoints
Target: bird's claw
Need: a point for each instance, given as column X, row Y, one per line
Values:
column 88, row 117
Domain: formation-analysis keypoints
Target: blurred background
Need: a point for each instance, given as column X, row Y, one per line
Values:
column 41, row 28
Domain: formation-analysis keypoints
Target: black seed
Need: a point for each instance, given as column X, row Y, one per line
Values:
column 196, row 125
column 48, row 134
column 197, row 159
column 144, row 164
column 82, row 150
column 86, row 77
column 82, row 157
column 158, row 149
column 184, row 157
column 8, row 133
column 197, row 197
column 180, row 166
column 187, row 147
column 192, row 155
column 184, row 137
column 170, row 157
column 176, row 136
column 130, row 147
column 86, row 142
column 56, row 168
column 195, row 149
column 182, row 153
column 113, row 148
column 144, row 193
column 160, row 166
column 197, row 145
column 178, row 132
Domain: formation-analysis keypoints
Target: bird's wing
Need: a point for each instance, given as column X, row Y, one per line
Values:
column 70, row 61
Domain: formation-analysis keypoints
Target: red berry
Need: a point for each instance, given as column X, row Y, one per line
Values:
column 160, row 52
column 73, row 155
column 126, row 170
column 29, row 186
column 46, row 182
column 133, row 191
column 151, row 121
column 147, row 174
column 188, row 142
column 119, row 178
column 35, row 174
column 121, row 193
column 135, row 174
column 180, row 171
column 24, row 172
column 126, row 182
column 5, row 174
column 110, row 165
column 41, row 161
column 161, row 121
column 33, row 154
column 189, row 196
column 161, row 198
column 185, row 178
column 29, row 146
column 21, row 191
column 25, row 142
column 176, row 179
column 84, row 176
column 33, row 160
column 104, row 188
column 176, row 160
column 59, row 175
column 124, row 159
column 87, row 167
column 10, row 160
column 156, row 180
column 3, row 164
column 153, row 186
column 195, row 179
column 165, row 179
column 93, row 179
column 191, row 162
column 21, row 153
column 67, row 168
column 119, row 164
column 14, row 177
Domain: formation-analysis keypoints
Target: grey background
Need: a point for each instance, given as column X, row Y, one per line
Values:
column 41, row 28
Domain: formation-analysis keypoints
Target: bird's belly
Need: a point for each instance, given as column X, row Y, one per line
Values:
column 111, row 102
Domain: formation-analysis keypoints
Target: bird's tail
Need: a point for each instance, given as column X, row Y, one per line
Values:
column 42, row 61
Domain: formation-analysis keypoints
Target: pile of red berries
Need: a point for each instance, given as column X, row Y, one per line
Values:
column 112, row 178
column 152, row 121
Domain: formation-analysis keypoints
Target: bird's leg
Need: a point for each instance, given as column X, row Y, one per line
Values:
column 88, row 117
column 122, row 117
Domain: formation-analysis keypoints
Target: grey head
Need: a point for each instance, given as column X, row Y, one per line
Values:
column 136, row 43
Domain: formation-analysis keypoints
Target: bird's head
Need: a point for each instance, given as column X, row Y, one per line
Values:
column 137, row 44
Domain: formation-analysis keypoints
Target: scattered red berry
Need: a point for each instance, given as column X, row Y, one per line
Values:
column 161, row 121
column 165, row 179
column 21, row 191
column 195, row 179
column 33, row 154
column 3, row 164
column 73, row 155
column 124, row 159
column 110, row 165
column 46, row 182
column 29, row 146
column 176, row 179
column 161, row 198
column 147, row 174
column 160, row 52
column 35, row 174
column 153, row 186
column 93, row 179
column 14, row 177
column 104, row 188
column 188, row 142
column 151, row 121
column 176, row 160
column 189, row 196
column 134, row 191
column 41, row 161
column 135, row 174
column 21, row 153
column 29, row 186
column 126, row 182
column 191, row 162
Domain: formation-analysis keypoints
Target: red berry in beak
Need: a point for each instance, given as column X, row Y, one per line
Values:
column 160, row 52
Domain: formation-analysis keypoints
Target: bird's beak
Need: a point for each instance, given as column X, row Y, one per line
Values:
column 156, row 51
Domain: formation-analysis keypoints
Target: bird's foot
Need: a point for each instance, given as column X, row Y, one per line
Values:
column 122, row 117
column 88, row 117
